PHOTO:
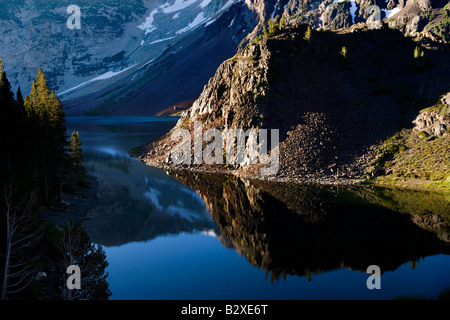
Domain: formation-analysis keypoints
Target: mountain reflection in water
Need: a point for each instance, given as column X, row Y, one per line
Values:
column 299, row 230
column 140, row 203
column 156, row 229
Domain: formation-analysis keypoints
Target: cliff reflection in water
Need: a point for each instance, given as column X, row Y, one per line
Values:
column 300, row 230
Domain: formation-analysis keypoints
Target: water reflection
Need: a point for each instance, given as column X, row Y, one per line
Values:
column 138, row 203
column 301, row 230
column 288, row 231
column 135, row 202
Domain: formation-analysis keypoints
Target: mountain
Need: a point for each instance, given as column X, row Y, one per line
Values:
column 334, row 96
column 119, row 43
column 143, row 56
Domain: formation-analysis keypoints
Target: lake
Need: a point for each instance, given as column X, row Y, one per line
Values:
column 184, row 235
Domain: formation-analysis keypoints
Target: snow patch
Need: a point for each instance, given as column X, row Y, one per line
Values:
column 104, row 76
column 176, row 16
column 209, row 22
column 227, row 5
column 210, row 233
column 153, row 196
column 161, row 40
column 178, row 5
column 199, row 19
column 391, row 13
column 205, row 3
column 232, row 21
column 334, row 1
column 148, row 26
column 274, row 11
column 182, row 212
column 142, row 42
column 353, row 9
column 147, row 63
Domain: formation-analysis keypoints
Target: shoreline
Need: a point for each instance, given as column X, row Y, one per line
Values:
column 300, row 180
column 382, row 181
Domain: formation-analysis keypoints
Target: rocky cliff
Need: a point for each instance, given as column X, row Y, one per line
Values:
column 422, row 18
column 333, row 97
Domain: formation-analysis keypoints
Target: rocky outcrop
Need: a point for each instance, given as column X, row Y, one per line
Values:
column 237, row 91
column 435, row 122
column 337, row 16
column 330, row 108
column 422, row 18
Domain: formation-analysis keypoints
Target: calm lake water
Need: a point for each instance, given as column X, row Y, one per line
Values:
column 199, row 236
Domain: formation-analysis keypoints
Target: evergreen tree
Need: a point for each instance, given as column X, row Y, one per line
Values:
column 8, row 121
column 47, row 121
column 418, row 53
column 344, row 52
column 265, row 32
column 20, row 102
column 77, row 249
column 308, row 34
column 75, row 148
column 420, row 64
column 274, row 27
column 282, row 22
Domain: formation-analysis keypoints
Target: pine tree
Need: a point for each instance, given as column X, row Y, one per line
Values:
column 419, row 63
column 20, row 102
column 77, row 249
column 282, row 22
column 273, row 26
column 265, row 32
column 47, row 120
column 418, row 53
column 308, row 34
column 344, row 52
column 75, row 148
column 8, row 121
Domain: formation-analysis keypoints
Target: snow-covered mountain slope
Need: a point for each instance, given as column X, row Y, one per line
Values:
column 116, row 39
column 187, row 55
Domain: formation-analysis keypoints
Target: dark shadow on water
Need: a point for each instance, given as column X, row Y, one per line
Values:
column 288, row 229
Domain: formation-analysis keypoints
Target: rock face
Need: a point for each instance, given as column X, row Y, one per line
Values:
column 237, row 90
column 329, row 107
column 412, row 17
column 423, row 18
column 337, row 16
column 435, row 122
column 35, row 35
